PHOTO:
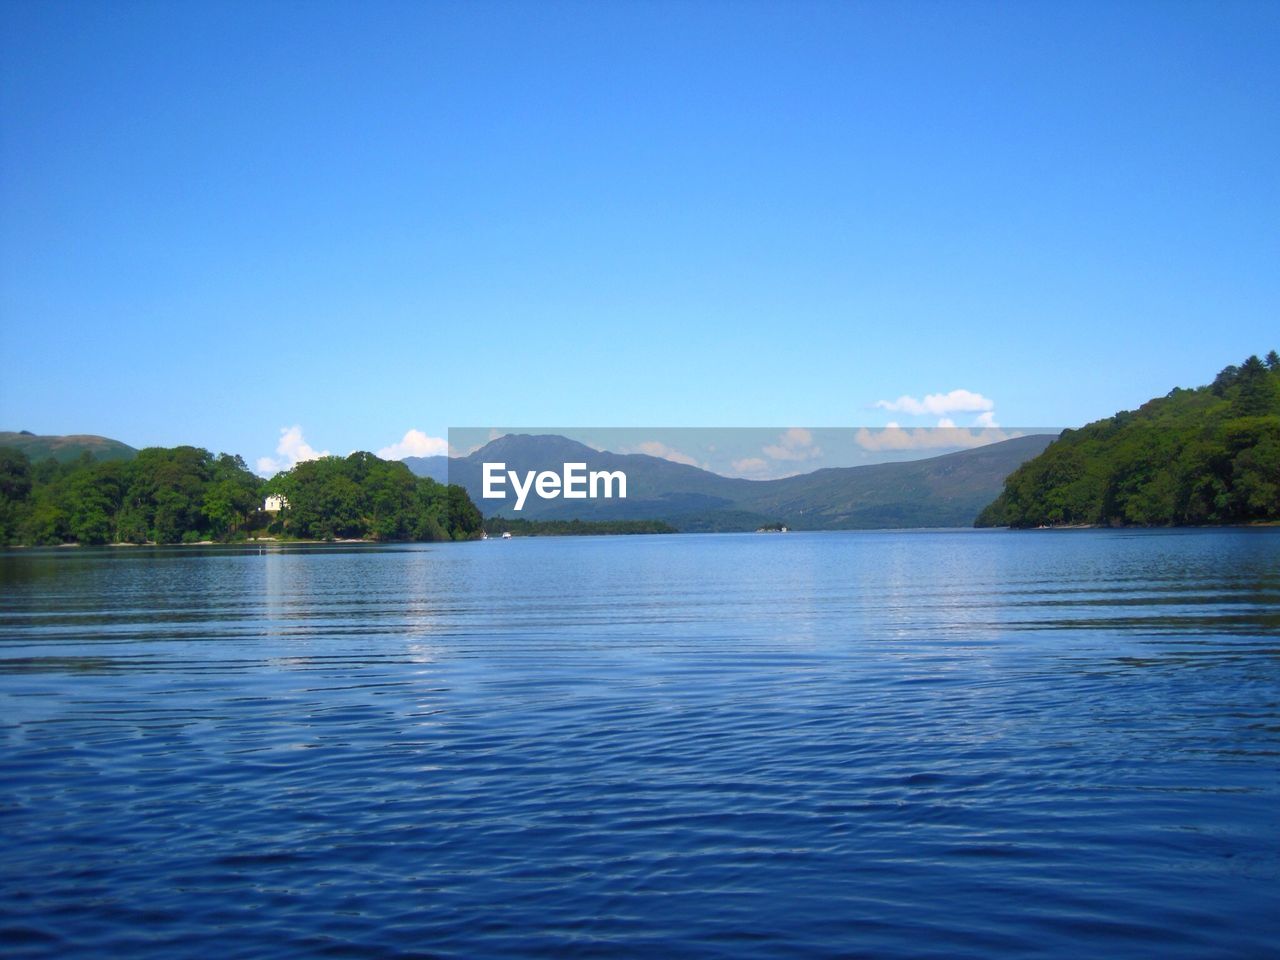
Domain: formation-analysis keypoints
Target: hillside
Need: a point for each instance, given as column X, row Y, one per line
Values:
column 947, row 490
column 1201, row 456
column 433, row 468
column 943, row 491
column 189, row 495
column 656, row 488
column 67, row 448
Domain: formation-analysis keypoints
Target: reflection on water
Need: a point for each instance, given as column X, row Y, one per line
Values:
column 948, row 744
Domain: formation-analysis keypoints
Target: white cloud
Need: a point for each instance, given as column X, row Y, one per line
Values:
column 292, row 448
column 987, row 419
column 939, row 404
column 794, row 444
column 750, row 467
column 656, row 448
column 415, row 443
column 946, row 434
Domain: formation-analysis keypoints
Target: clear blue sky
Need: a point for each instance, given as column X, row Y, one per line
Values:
column 220, row 219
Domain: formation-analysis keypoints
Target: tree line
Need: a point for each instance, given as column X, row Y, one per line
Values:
column 187, row 494
column 519, row 527
column 363, row 497
column 1209, row 455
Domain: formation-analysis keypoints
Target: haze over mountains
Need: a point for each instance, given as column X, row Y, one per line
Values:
column 943, row 491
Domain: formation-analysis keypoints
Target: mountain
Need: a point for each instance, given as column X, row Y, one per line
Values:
column 437, row 468
column 947, row 490
column 1206, row 455
column 944, row 491
column 68, row 448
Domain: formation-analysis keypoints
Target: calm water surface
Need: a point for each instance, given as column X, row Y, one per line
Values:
column 909, row 744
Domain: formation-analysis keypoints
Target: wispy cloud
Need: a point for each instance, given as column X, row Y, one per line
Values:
column 794, row 444
column 946, row 434
column 751, row 467
column 292, row 448
column 415, row 443
column 939, row 404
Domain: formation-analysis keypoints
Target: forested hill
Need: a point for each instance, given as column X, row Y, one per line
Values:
column 186, row 494
column 66, row 449
column 1203, row 456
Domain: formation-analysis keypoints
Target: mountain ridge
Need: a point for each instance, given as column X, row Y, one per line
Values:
column 946, row 490
column 65, row 448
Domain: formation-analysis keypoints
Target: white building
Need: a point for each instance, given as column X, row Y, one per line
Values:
column 274, row 503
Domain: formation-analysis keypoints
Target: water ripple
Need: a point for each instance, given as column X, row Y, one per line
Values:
column 937, row 744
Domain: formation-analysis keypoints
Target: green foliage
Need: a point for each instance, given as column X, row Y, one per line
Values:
column 15, row 486
column 1209, row 455
column 188, row 495
column 463, row 515
column 496, row 526
column 362, row 497
column 161, row 495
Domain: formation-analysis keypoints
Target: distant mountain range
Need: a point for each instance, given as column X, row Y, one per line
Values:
column 64, row 449
column 943, row 491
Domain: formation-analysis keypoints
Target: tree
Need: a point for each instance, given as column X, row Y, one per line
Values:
column 15, row 474
column 93, row 497
column 15, row 487
column 47, row 524
column 1225, row 379
column 1256, row 390
column 1256, row 475
column 465, row 520
column 1209, row 455
column 182, row 494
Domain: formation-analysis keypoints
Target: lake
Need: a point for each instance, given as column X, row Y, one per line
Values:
column 874, row 744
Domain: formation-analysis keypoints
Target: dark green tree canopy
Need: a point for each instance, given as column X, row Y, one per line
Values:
column 1209, row 455
column 182, row 494
column 361, row 496
column 186, row 494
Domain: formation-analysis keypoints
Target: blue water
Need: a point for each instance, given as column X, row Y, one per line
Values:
column 909, row 744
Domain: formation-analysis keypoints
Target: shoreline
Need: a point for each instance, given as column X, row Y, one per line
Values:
column 349, row 541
